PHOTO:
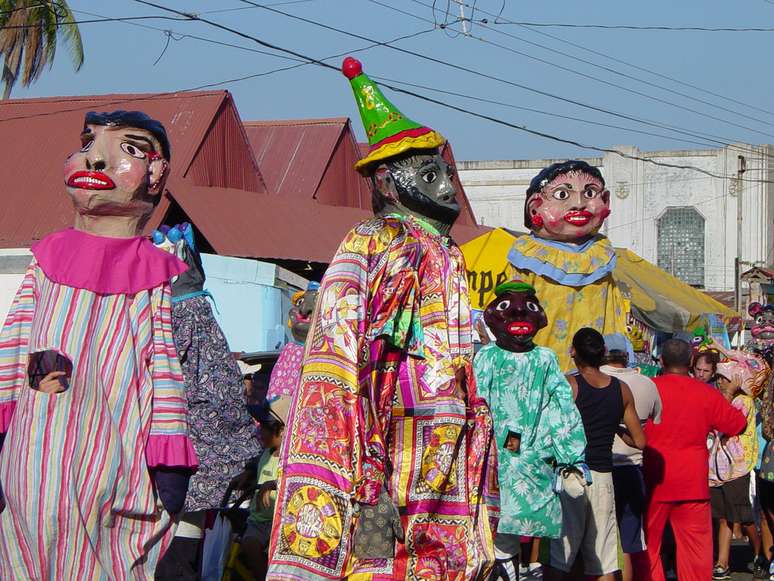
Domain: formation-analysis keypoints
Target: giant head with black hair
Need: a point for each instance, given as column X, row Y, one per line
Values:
column 567, row 201
column 117, row 176
column 588, row 348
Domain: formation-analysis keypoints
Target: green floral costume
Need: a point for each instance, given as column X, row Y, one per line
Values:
column 529, row 395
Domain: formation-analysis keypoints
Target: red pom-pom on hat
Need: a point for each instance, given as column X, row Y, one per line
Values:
column 351, row 67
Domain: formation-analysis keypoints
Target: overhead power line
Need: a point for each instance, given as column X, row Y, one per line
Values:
column 609, row 70
column 503, row 20
column 430, row 99
column 638, row 27
column 722, row 141
column 677, row 129
column 93, row 21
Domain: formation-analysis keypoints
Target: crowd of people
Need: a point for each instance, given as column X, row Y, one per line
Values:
column 387, row 443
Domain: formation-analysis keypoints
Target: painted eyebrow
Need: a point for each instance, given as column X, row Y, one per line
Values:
column 141, row 138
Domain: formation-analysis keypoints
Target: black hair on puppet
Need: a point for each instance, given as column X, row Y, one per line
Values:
column 548, row 174
column 132, row 119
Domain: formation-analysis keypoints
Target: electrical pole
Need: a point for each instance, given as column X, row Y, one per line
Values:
column 740, row 169
column 463, row 19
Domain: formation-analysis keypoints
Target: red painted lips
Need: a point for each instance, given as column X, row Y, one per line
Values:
column 578, row 218
column 90, row 180
column 521, row 328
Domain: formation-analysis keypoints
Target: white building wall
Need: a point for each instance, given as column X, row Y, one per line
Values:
column 641, row 193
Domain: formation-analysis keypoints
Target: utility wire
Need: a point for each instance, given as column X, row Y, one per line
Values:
column 677, row 129
column 430, row 99
column 637, row 27
column 541, row 112
column 180, row 36
column 609, row 83
column 93, row 21
column 222, row 10
column 174, row 94
column 724, row 142
column 500, row 20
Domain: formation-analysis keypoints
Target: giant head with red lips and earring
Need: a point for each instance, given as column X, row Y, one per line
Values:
column 117, row 177
column 302, row 306
column 567, row 202
column 515, row 316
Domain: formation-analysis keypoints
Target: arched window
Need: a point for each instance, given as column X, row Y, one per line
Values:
column 681, row 244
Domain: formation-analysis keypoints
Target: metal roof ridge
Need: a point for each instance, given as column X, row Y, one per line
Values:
column 292, row 122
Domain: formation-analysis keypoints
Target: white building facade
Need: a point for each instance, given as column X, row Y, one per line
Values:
column 683, row 220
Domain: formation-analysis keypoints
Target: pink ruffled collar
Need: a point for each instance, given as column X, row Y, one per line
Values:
column 105, row 265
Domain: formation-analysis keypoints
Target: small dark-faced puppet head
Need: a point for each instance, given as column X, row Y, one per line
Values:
column 567, row 202
column 301, row 309
column 121, row 167
column 515, row 316
column 762, row 328
column 419, row 183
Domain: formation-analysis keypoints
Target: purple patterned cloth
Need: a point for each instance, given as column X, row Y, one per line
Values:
column 222, row 432
column 286, row 375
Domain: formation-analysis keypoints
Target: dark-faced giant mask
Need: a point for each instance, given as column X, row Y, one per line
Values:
column 515, row 316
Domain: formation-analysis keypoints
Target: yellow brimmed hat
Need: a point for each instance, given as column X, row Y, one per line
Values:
column 389, row 132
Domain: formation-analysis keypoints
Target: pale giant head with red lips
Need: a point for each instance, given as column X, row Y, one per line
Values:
column 567, row 202
column 117, row 177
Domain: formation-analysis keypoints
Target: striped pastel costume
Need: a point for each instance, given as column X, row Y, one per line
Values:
column 74, row 466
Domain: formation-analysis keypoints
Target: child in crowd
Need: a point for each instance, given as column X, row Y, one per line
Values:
column 255, row 541
column 731, row 462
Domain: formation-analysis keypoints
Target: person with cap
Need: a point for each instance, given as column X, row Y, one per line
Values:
column 286, row 373
column 95, row 471
column 676, row 464
column 628, row 482
column 273, row 416
column 385, row 470
column 538, row 428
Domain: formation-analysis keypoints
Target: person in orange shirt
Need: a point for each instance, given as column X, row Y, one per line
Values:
column 676, row 464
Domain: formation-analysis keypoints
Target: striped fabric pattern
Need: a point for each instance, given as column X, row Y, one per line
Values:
column 74, row 465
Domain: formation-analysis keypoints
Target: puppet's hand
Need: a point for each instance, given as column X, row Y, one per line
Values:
column 2, row 499
column 171, row 486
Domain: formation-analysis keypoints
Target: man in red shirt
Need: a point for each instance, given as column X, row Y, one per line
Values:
column 676, row 464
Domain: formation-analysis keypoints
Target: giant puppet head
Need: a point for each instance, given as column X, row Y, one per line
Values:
column 404, row 162
column 301, row 308
column 750, row 369
column 762, row 328
column 118, row 175
column 567, row 202
column 515, row 316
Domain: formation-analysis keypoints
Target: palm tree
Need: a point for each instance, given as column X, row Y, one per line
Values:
column 29, row 30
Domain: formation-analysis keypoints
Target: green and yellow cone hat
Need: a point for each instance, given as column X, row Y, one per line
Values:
column 389, row 132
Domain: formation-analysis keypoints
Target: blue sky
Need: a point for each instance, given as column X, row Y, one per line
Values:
column 120, row 58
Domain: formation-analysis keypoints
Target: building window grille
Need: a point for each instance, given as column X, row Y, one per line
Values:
column 681, row 244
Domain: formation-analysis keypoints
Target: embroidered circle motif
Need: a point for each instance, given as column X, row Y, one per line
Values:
column 312, row 526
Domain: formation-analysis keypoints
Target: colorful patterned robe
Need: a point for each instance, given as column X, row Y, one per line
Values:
column 529, row 395
column 576, row 288
column 384, row 382
column 74, row 466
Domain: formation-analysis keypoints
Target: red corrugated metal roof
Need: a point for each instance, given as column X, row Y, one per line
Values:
column 244, row 224
column 310, row 159
column 37, row 134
